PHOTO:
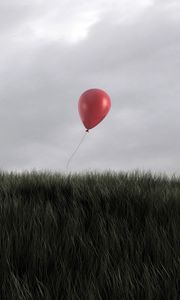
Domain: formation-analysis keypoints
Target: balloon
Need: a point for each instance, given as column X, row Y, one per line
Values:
column 93, row 106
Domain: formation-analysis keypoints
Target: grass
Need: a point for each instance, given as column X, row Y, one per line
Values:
column 93, row 236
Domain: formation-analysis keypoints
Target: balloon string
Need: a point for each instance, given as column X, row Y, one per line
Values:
column 76, row 149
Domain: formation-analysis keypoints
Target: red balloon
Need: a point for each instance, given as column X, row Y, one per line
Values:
column 93, row 106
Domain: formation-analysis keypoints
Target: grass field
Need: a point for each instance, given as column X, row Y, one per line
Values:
column 92, row 236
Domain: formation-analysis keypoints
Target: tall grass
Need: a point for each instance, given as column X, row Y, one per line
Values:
column 93, row 236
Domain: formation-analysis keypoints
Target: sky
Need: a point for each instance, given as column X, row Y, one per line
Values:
column 52, row 51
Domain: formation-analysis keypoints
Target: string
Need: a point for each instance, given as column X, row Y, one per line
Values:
column 76, row 149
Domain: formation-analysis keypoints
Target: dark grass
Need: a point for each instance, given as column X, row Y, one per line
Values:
column 93, row 236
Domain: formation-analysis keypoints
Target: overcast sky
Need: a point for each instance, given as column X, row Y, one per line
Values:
column 52, row 51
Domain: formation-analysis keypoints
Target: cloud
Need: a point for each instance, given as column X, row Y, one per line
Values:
column 63, row 20
column 135, row 58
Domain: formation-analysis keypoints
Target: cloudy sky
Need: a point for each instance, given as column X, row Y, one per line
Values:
column 52, row 51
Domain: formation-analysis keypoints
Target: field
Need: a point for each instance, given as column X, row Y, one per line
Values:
column 93, row 236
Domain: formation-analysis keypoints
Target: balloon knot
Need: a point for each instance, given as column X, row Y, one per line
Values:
column 87, row 130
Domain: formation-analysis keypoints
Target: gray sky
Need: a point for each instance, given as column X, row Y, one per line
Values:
column 52, row 51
